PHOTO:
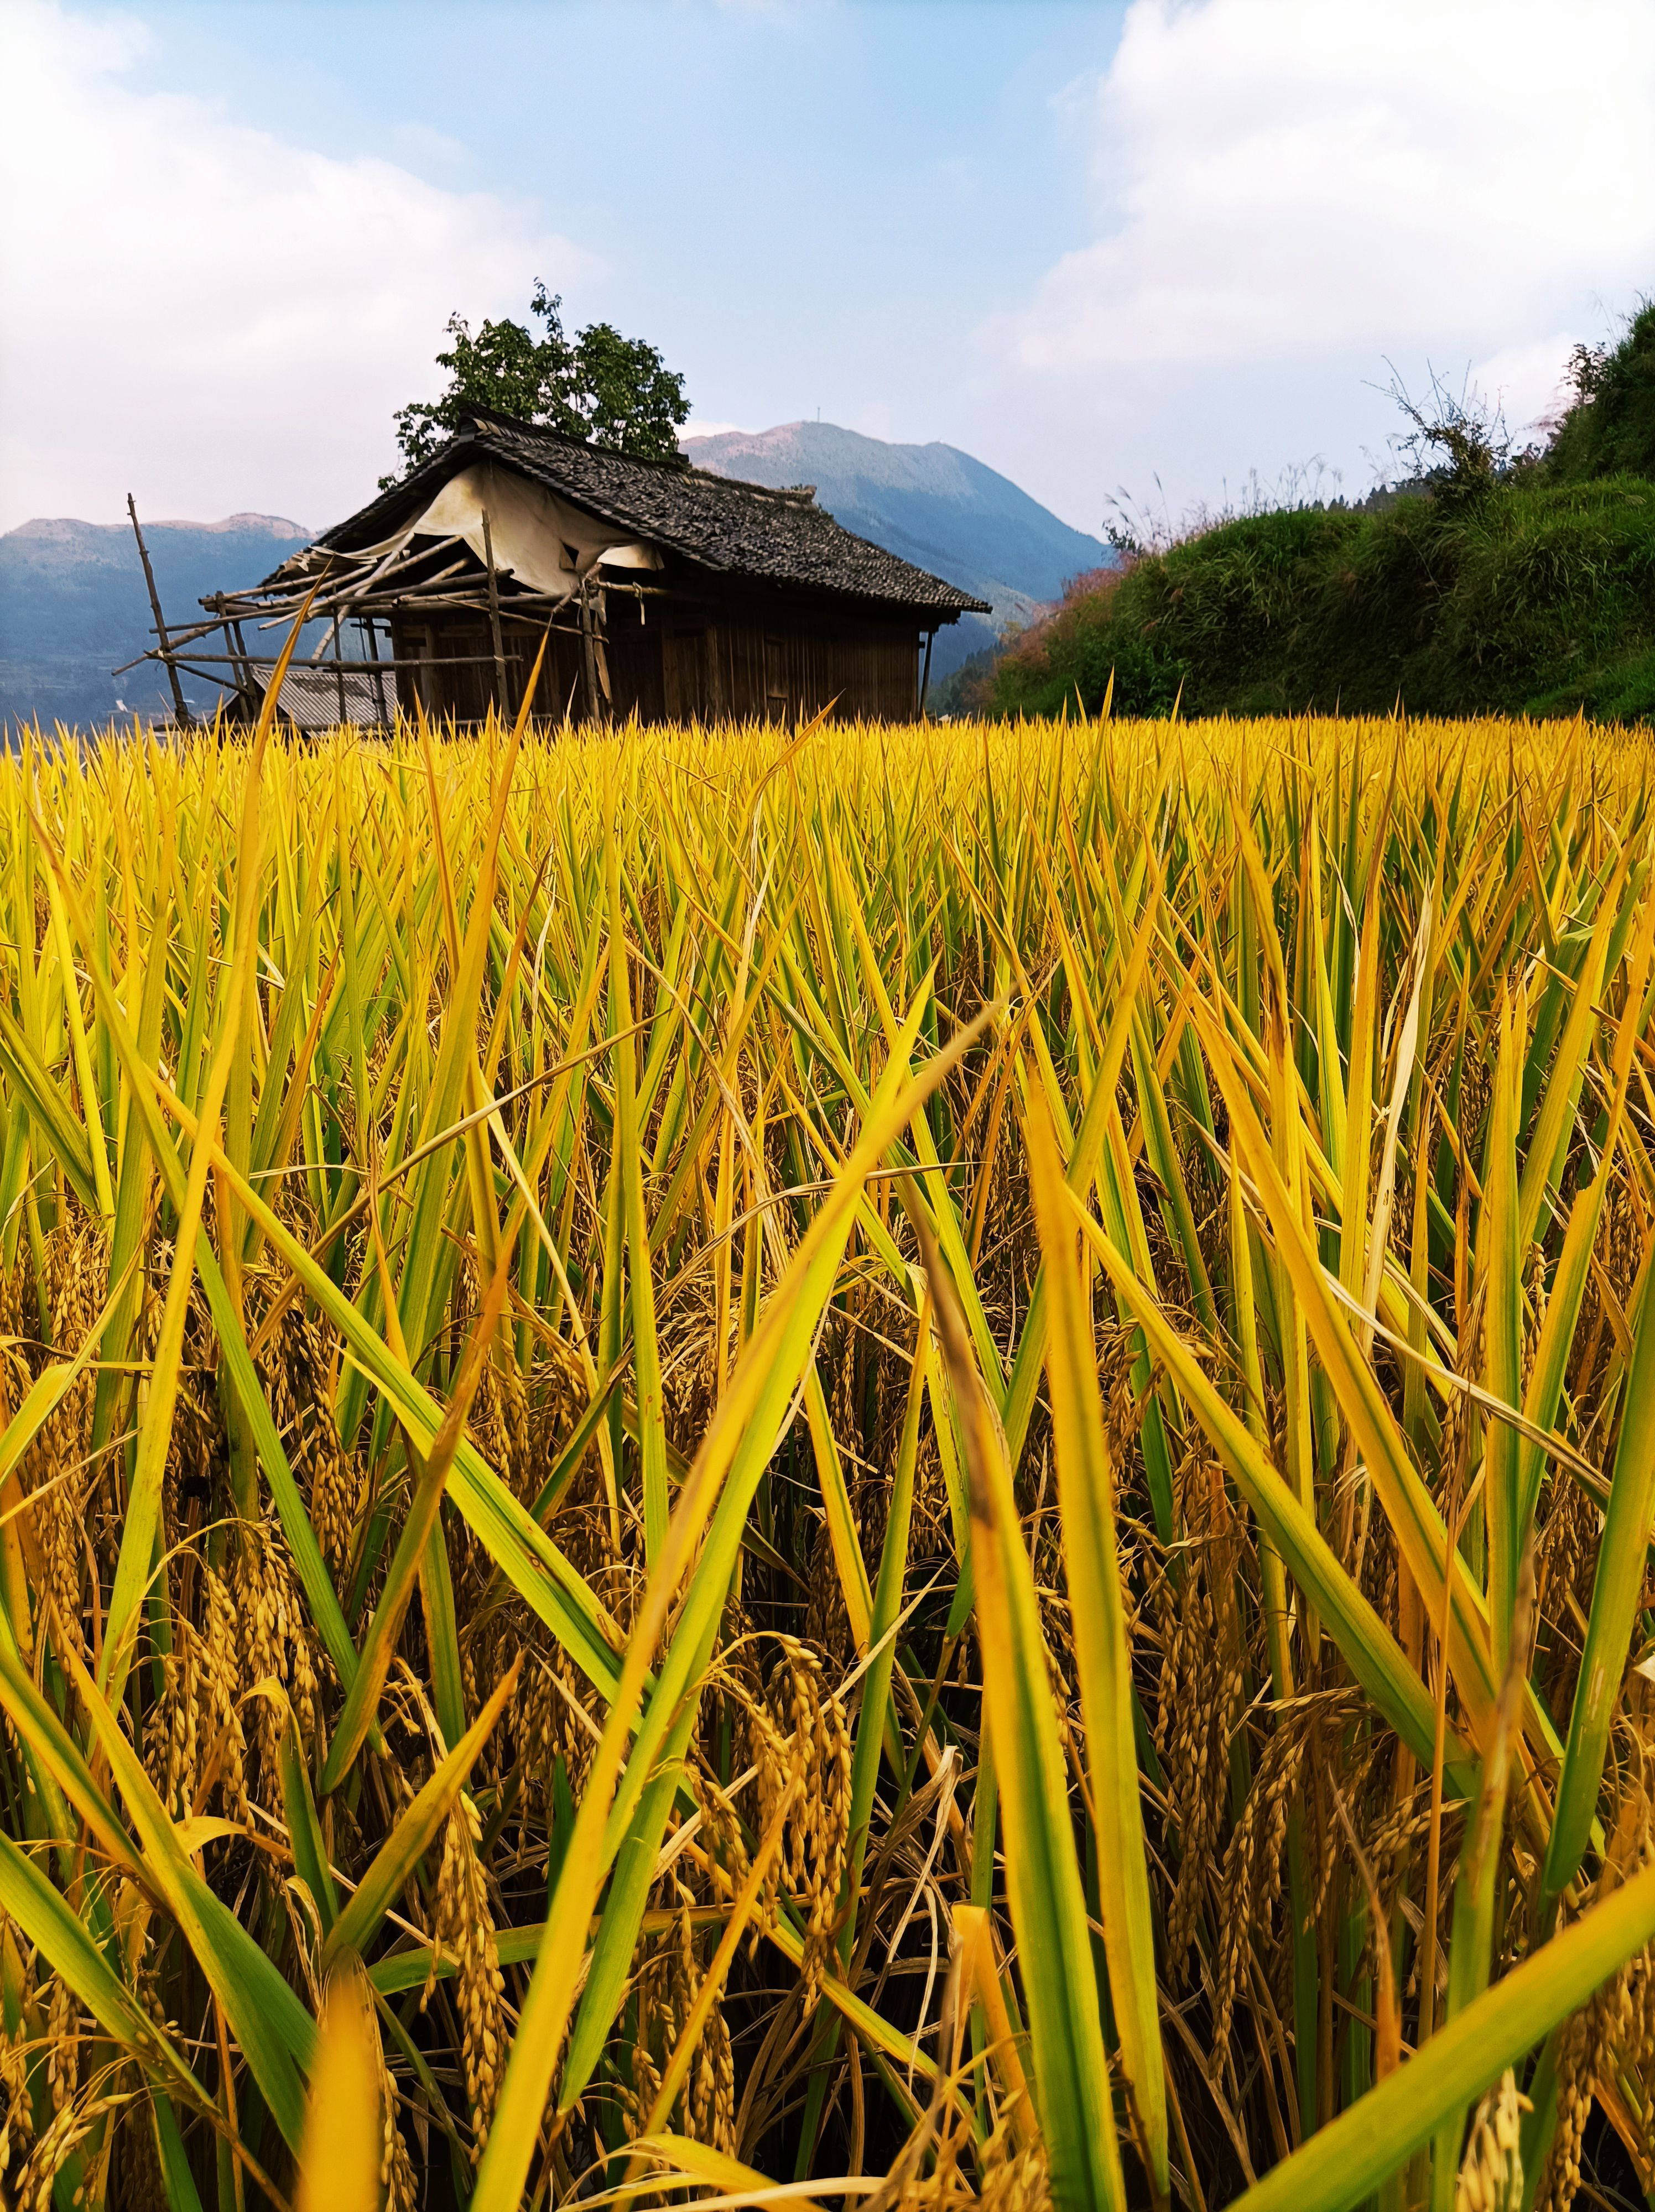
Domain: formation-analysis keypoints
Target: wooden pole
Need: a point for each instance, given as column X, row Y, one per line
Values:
column 235, row 647
column 243, row 663
column 589, row 658
column 601, row 646
column 180, row 711
column 428, row 679
column 339, row 669
column 925, row 678
column 185, row 656
column 367, row 622
column 503, row 703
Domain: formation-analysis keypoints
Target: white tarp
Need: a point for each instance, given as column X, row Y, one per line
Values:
column 546, row 544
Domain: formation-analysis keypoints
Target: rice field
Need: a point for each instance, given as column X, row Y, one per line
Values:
column 871, row 1467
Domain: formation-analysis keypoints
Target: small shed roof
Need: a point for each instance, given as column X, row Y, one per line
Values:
column 311, row 693
column 718, row 523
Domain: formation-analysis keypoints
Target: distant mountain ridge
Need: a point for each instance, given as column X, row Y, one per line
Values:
column 73, row 606
column 933, row 505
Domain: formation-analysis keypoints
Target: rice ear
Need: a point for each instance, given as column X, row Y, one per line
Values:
column 970, row 1334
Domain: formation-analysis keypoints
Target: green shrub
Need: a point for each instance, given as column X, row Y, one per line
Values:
column 1540, row 599
column 1610, row 429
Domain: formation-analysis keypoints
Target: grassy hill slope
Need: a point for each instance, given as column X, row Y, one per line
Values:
column 1541, row 601
column 1515, row 585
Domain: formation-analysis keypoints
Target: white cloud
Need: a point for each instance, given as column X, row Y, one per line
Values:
column 1528, row 380
column 1285, row 177
column 202, row 314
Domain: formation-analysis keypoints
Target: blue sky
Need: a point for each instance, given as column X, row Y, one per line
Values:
column 1096, row 246
column 843, row 182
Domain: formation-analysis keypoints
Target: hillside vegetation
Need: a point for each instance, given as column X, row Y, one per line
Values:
column 1526, row 590
column 732, row 1457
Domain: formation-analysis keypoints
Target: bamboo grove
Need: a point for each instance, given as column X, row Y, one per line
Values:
column 910, row 1465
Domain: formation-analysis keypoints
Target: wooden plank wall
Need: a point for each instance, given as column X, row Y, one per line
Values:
column 455, row 681
column 772, row 664
column 681, row 661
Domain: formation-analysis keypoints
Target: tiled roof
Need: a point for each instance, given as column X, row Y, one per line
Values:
column 732, row 528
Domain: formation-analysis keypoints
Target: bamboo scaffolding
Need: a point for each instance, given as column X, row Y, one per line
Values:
column 411, row 580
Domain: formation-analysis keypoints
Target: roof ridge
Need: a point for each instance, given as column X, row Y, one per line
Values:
column 679, row 464
column 768, row 533
column 793, row 495
column 497, row 417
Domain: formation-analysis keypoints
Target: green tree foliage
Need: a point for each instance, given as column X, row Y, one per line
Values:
column 1610, row 427
column 616, row 392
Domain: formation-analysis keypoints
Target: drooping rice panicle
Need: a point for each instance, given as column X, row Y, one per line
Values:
column 905, row 1457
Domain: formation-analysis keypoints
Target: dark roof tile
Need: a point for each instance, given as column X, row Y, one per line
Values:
column 716, row 522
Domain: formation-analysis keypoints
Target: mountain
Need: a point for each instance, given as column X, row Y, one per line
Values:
column 933, row 505
column 73, row 606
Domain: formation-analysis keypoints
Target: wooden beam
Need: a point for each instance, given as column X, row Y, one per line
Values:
column 367, row 622
column 181, row 712
column 494, row 619
column 339, row 669
column 589, row 658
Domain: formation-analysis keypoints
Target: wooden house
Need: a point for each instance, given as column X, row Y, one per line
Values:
column 659, row 590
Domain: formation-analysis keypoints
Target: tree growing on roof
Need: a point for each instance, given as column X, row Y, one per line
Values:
column 598, row 385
